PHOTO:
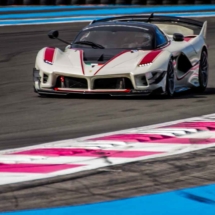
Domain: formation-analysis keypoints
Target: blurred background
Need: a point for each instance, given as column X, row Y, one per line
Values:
column 103, row 2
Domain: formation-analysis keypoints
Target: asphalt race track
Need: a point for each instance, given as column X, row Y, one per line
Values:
column 27, row 119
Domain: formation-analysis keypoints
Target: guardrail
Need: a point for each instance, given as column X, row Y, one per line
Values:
column 104, row 2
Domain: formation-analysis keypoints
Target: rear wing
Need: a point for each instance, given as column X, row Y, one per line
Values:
column 203, row 31
column 193, row 25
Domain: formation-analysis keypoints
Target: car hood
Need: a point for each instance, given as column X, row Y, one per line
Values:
column 122, row 62
column 72, row 61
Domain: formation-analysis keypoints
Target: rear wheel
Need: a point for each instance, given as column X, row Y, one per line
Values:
column 170, row 80
column 203, row 72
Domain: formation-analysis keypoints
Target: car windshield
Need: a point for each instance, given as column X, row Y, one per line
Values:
column 117, row 37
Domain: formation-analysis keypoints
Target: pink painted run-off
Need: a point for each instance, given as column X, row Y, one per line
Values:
column 197, row 125
column 35, row 168
column 151, row 138
column 55, row 152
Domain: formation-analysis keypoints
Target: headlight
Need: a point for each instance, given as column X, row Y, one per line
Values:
column 145, row 64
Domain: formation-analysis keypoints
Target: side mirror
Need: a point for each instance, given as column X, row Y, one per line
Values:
column 178, row 37
column 53, row 34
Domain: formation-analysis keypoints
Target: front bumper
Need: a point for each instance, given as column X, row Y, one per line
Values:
column 155, row 89
column 127, row 92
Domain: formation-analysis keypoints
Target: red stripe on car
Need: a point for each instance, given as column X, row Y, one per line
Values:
column 188, row 38
column 49, row 54
column 121, row 53
column 149, row 58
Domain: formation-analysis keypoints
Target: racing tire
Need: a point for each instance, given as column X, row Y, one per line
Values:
column 11, row 2
column 60, row 2
column 122, row 2
column 138, row 2
column 77, row 2
column 27, row 2
column 168, row 2
column 46, row 2
column 183, row 2
column 3, row 2
column 200, row 2
column 203, row 72
column 106, row 2
column 151, row 2
column 170, row 80
column 91, row 2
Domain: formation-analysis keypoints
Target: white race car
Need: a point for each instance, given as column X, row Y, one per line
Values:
column 127, row 55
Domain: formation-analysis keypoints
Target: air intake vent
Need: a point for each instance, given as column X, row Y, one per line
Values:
column 141, row 80
column 45, row 78
column 113, row 83
column 72, row 82
column 144, row 81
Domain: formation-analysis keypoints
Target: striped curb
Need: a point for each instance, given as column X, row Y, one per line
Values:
column 87, row 153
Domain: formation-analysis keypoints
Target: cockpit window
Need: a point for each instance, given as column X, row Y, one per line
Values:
column 117, row 37
column 160, row 38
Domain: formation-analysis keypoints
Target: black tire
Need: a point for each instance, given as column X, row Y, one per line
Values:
column 77, row 2
column 203, row 72
column 168, row 2
column 107, row 2
column 28, row 2
column 11, row 2
column 45, row 2
column 122, row 2
column 170, row 80
column 151, row 2
column 183, row 2
column 60, row 2
column 139, row 2
column 200, row 2
column 91, row 2
column 3, row 2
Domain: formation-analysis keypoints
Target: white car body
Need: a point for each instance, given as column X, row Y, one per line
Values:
column 55, row 63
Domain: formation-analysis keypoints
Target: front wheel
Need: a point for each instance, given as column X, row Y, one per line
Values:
column 170, row 80
column 203, row 72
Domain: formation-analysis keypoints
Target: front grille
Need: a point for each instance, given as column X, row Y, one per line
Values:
column 113, row 83
column 71, row 82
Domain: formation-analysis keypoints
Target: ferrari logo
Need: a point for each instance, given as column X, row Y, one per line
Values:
column 91, row 70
